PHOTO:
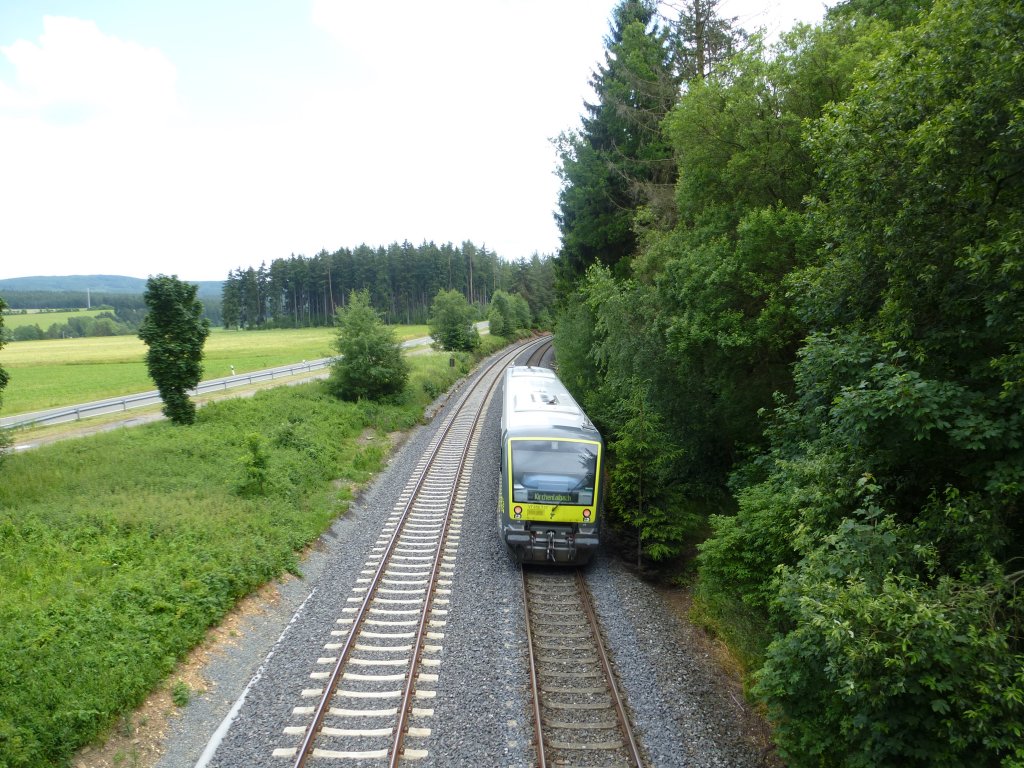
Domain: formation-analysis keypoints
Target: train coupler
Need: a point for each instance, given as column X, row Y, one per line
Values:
column 551, row 547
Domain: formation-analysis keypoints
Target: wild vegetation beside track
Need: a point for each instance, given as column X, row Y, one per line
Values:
column 118, row 551
column 791, row 294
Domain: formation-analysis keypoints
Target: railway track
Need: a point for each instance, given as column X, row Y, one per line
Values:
column 579, row 716
column 536, row 357
column 370, row 699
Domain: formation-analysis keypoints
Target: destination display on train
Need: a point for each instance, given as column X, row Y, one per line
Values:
column 552, row 497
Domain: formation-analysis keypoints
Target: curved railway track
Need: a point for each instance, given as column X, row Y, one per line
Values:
column 579, row 717
column 538, row 354
column 373, row 698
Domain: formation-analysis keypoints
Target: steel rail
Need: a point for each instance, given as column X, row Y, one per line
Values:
column 306, row 749
column 606, row 667
column 537, row 356
column 538, row 723
column 630, row 746
column 312, row 732
column 410, row 679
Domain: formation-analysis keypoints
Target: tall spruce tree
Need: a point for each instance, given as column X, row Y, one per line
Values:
column 611, row 166
column 702, row 40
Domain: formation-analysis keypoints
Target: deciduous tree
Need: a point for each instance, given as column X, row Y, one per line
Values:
column 451, row 322
column 884, row 534
column 175, row 332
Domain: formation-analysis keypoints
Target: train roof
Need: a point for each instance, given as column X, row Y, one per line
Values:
column 535, row 399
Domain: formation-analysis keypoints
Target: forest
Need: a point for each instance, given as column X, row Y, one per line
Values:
column 402, row 280
column 790, row 292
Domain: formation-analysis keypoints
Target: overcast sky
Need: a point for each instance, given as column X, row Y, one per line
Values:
column 195, row 136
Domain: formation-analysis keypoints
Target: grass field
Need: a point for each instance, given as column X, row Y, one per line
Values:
column 56, row 372
column 45, row 319
column 118, row 551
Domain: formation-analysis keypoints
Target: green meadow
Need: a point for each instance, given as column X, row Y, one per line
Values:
column 56, row 372
column 45, row 319
column 118, row 551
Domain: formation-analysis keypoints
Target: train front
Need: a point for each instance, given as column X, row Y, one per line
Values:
column 553, row 495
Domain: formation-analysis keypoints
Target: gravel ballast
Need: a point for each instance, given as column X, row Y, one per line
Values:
column 482, row 714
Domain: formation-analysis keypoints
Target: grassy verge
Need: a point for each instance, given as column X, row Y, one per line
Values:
column 743, row 631
column 118, row 551
column 55, row 372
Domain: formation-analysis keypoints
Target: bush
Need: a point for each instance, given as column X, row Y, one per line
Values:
column 27, row 333
column 451, row 322
column 890, row 663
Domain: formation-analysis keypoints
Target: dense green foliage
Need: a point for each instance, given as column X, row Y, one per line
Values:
column 829, row 329
column 508, row 314
column 370, row 363
column 452, row 321
column 118, row 551
column 402, row 280
column 175, row 331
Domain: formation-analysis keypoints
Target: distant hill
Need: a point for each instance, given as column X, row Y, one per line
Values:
column 98, row 284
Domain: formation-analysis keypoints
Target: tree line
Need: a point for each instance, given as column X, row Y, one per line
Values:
column 791, row 289
column 400, row 279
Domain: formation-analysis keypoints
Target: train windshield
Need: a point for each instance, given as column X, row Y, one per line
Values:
column 553, row 471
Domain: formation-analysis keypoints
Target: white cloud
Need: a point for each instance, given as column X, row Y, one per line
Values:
column 358, row 122
column 89, row 149
column 76, row 73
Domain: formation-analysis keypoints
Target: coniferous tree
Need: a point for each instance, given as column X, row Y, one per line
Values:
column 702, row 40
column 370, row 363
column 613, row 164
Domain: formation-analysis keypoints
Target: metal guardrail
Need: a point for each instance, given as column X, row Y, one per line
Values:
column 122, row 404
column 128, row 402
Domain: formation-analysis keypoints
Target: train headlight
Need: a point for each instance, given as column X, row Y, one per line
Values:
column 517, row 513
column 586, row 515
